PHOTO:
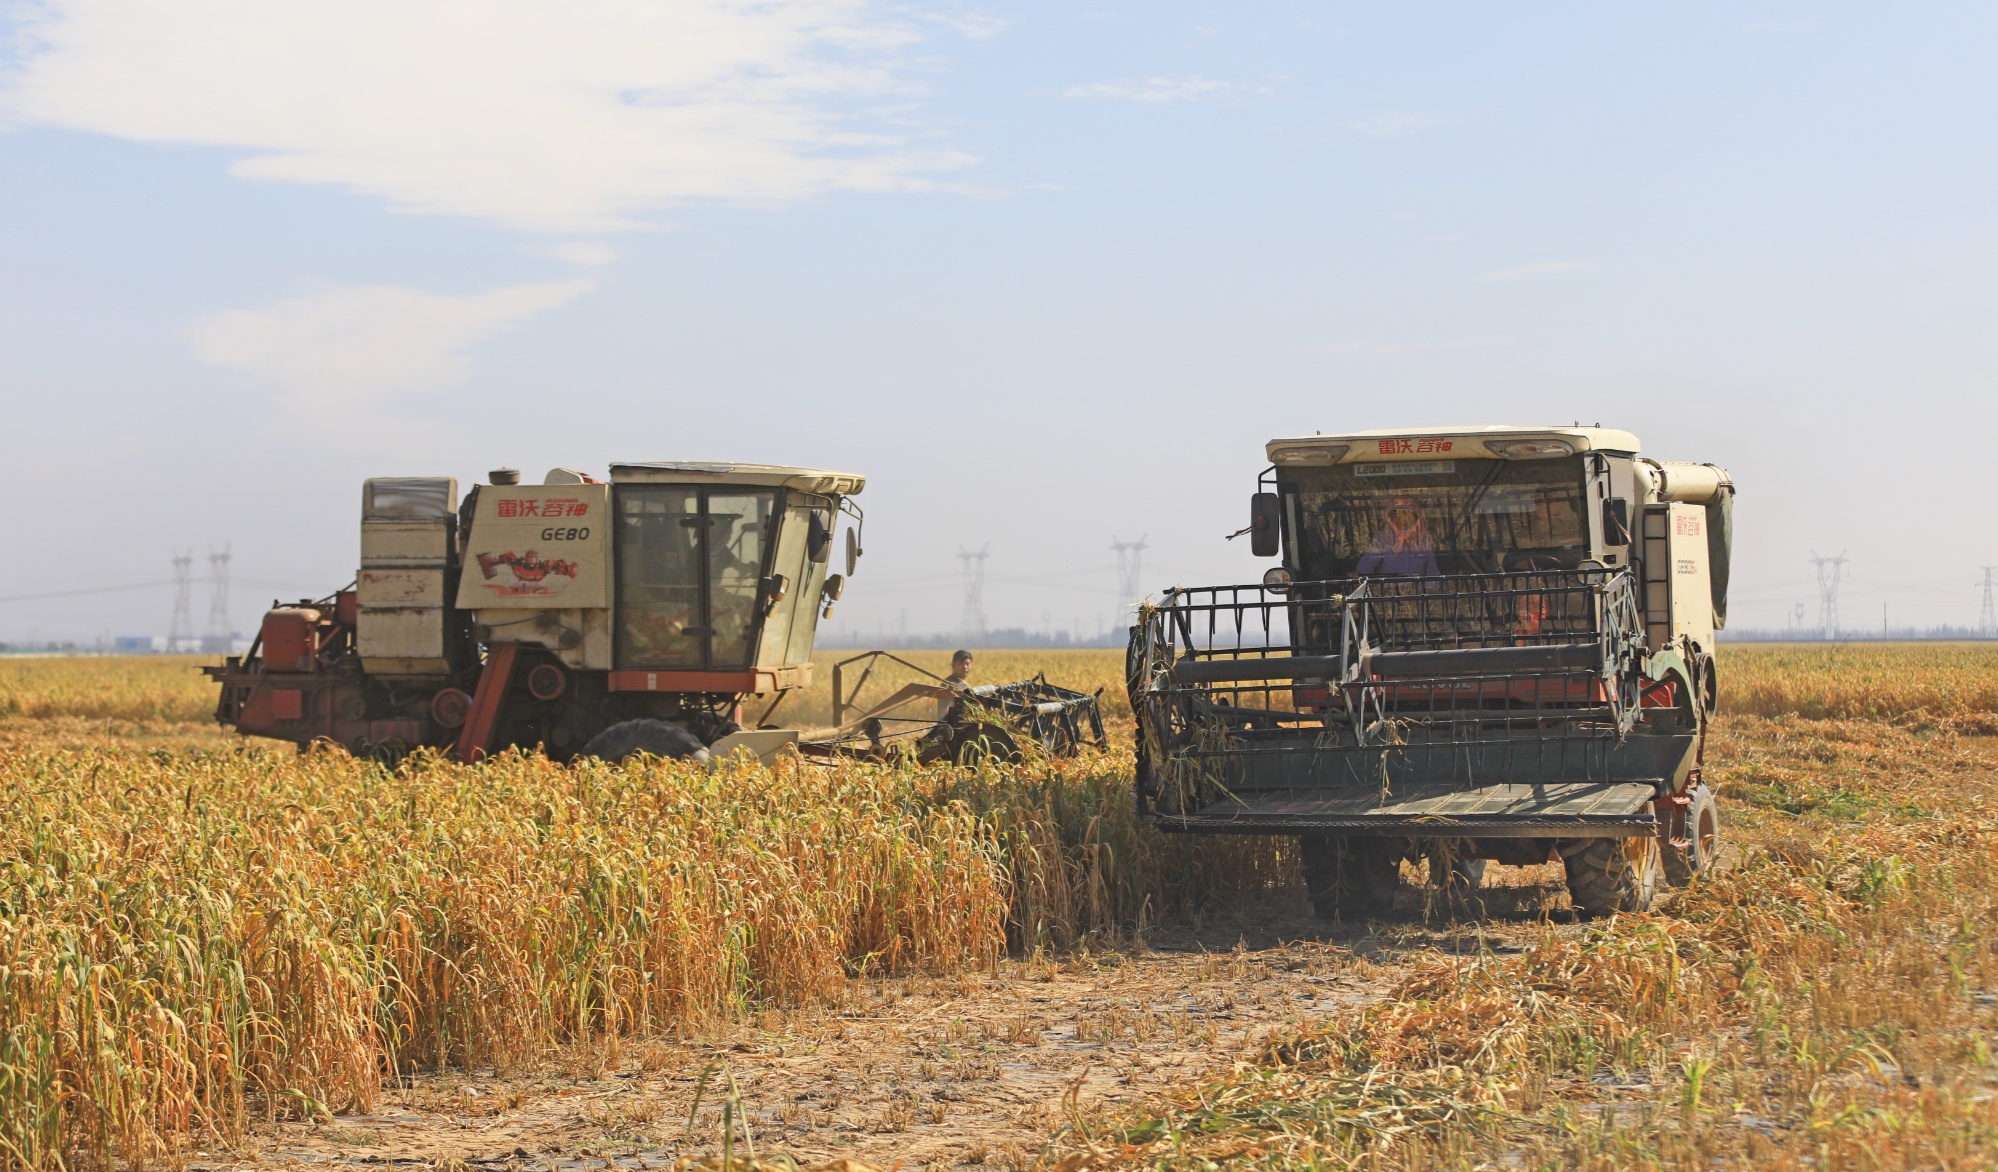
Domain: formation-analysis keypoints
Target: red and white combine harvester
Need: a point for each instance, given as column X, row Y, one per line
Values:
column 578, row 616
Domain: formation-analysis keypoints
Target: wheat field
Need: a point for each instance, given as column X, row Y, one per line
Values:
column 199, row 933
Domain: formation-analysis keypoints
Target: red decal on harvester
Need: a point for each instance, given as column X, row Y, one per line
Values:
column 528, row 569
column 554, row 507
column 1405, row 447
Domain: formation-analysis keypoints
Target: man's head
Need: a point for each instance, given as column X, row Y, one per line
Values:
column 960, row 665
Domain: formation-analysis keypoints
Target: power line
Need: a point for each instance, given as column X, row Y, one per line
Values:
column 91, row 590
column 153, row 585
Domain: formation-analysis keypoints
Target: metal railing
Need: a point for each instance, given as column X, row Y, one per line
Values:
column 1474, row 679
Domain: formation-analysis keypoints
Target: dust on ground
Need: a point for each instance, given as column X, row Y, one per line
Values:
column 980, row 1069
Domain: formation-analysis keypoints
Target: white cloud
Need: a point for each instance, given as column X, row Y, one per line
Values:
column 1394, row 123
column 571, row 117
column 1539, row 269
column 347, row 345
column 1163, row 89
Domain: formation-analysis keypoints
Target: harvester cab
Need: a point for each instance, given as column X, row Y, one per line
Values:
column 579, row 616
column 1480, row 644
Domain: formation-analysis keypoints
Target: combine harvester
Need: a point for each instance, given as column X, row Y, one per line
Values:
column 1483, row 644
column 576, row 616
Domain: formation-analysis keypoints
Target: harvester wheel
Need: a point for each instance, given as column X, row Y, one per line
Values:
column 1702, row 834
column 657, row 738
column 1607, row 875
column 1350, row 878
column 977, row 742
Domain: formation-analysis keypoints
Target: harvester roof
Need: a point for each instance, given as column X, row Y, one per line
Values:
column 723, row 472
column 1504, row 442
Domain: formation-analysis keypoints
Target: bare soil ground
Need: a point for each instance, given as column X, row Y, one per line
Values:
column 976, row 1070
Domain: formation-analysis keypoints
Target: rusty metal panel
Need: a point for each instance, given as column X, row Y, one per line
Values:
column 401, row 588
column 538, row 547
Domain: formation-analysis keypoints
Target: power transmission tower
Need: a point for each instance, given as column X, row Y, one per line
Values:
column 180, row 632
column 217, row 641
column 1130, row 573
column 1830, row 570
column 973, row 621
column 1987, row 615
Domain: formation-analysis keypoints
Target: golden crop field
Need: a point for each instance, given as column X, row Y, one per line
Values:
column 198, row 933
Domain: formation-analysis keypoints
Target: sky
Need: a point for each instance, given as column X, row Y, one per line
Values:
column 1049, row 275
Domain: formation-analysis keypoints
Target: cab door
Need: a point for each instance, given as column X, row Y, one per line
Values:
column 802, row 551
column 690, row 567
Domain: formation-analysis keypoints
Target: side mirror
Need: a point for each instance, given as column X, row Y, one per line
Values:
column 1265, row 524
column 852, row 551
column 1616, row 521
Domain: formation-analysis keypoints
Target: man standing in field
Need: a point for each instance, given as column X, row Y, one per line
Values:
column 957, row 681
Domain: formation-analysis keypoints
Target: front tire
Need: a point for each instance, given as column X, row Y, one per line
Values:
column 1609, row 875
column 1700, row 830
column 1350, row 877
column 653, row 738
column 978, row 742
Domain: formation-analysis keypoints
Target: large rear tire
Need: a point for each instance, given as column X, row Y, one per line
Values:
column 1609, row 875
column 654, row 738
column 1702, row 834
column 1350, row 878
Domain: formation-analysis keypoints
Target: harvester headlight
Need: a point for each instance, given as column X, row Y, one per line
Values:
column 1316, row 454
column 1529, row 449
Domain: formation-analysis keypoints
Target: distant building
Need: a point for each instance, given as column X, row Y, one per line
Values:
column 138, row 645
